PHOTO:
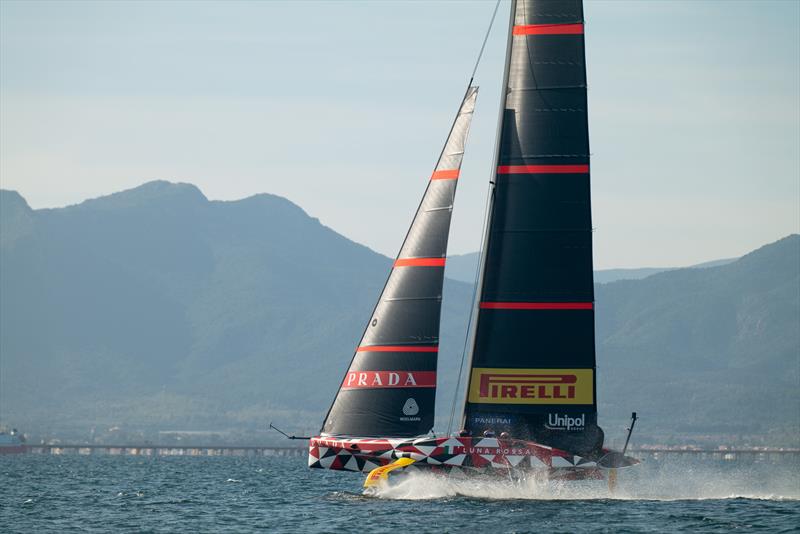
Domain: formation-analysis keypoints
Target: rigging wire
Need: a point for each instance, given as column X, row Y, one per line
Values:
column 483, row 235
column 485, row 38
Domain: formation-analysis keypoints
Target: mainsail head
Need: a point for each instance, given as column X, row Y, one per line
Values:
column 390, row 388
column 533, row 355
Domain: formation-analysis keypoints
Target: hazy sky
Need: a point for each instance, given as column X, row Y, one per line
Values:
column 343, row 107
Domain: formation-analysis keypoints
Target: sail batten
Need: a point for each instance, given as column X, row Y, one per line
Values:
column 390, row 386
column 533, row 354
column 536, row 305
column 398, row 348
column 548, row 29
column 446, row 174
column 543, row 169
column 419, row 262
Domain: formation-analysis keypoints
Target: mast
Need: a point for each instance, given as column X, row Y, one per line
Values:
column 471, row 328
column 533, row 356
column 389, row 389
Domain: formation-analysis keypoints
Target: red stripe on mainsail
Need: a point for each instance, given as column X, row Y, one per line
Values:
column 549, row 29
column 398, row 348
column 419, row 262
column 536, row 305
column 389, row 379
column 448, row 174
column 543, row 169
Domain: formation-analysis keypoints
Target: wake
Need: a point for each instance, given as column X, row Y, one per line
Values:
column 672, row 481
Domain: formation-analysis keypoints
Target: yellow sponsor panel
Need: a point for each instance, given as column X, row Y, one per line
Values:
column 531, row 386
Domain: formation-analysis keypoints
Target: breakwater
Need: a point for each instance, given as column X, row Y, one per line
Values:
column 165, row 450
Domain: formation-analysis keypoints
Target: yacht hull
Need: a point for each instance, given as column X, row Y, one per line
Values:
column 446, row 453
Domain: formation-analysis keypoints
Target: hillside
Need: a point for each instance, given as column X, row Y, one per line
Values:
column 157, row 306
column 462, row 267
column 157, row 309
column 710, row 350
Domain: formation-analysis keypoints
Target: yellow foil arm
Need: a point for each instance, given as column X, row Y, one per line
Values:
column 380, row 474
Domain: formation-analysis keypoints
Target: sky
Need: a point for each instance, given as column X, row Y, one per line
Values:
column 342, row 107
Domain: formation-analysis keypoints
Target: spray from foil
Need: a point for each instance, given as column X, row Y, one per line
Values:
column 679, row 479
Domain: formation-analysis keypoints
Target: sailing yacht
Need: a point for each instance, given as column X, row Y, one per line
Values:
column 530, row 398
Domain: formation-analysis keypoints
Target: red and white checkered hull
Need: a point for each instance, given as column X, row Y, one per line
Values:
column 479, row 454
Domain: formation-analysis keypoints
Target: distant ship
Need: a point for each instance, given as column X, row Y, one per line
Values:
column 12, row 442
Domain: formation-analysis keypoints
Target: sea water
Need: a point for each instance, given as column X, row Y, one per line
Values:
column 40, row 493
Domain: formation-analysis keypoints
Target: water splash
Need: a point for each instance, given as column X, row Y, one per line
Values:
column 658, row 481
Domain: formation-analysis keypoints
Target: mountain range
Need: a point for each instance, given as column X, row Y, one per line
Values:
column 463, row 267
column 155, row 309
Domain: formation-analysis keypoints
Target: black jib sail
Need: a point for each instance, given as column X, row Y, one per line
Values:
column 390, row 388
column 533, row 354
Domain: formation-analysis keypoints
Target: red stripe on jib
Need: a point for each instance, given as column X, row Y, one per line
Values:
column 448, row 174
column 419, row 262
column 549, row 29
column 398, row 348
column 543, row 169
column 536, row 305
column 389, row 379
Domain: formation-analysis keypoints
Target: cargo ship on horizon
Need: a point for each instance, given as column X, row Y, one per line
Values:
column 12, row 442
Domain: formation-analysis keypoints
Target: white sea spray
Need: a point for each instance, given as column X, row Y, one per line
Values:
column 671, row 480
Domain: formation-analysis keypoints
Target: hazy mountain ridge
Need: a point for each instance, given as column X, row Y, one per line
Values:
column 16, row 217
column 463, row 267
column 725, row 339
column 175, row 294
column 157, row 308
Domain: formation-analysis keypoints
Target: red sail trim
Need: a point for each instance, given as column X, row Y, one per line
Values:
column 448, row 174
column 389, row 379
column 536, row 305
column 398, row 348
column 549, row 29
column 543, row 169
column 419, row 262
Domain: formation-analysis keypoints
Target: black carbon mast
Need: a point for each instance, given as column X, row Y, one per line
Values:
column 532, row 363
column 389, row 389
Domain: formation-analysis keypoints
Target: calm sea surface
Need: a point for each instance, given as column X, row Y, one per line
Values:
column 224, row 494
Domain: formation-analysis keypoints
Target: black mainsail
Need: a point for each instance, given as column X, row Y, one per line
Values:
column 533, row 354
column 390, row 388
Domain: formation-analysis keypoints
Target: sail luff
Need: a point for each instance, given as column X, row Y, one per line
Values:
column 390, row 386
column 472, row 327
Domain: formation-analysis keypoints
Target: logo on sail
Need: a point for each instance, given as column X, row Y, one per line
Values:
column 411, row 407
column 410, row 410
column 389, row 379
column 531, row 386
column 565, row 422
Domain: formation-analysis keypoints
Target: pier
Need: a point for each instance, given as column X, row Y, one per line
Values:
column 165, row 450
column 754, row 454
